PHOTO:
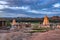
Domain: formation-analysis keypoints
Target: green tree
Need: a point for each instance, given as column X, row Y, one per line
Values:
column 8, row 23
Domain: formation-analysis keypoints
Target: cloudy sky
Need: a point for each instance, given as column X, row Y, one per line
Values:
column 29, row 8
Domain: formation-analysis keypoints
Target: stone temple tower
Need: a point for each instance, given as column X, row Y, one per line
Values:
column 13, row 22
column 46, row 21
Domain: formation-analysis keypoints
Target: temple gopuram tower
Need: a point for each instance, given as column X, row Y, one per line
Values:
column 14, row 22
column 46, row 21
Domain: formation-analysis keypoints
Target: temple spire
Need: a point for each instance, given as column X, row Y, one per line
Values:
column 46, row 21
column 13, row 22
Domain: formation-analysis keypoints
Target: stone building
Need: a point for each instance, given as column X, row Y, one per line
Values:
column 17, row 26
column 13, row 22
column 46, row 21
column 3, row 22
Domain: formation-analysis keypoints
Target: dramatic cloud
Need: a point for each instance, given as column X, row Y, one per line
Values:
column 3, row 2
column 43, row 12
column 57, row 5
column 22, row 7
column 12, row 15
column 3, row 6
column 29, row 8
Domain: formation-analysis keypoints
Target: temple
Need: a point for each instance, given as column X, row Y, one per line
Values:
column 13, row 22
column 45, row 21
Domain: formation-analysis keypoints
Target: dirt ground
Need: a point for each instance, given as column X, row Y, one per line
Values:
column 50, row 35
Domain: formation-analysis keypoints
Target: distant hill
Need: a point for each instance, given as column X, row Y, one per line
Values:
column 28, row 19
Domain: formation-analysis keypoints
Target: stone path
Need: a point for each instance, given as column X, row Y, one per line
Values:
column 51, row 35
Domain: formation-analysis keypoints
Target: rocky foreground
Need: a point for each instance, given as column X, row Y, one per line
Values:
column 14, row 36
column 50, row 35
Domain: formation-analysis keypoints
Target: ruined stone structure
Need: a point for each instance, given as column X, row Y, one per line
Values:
column 3, row 22
column 17, row 26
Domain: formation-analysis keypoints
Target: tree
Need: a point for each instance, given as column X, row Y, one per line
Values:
column 8, row 23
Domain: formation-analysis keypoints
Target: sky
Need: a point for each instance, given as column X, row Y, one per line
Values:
column 29, row 8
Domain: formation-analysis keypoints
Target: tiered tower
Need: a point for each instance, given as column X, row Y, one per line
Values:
column 46, row 21
column 14, row 22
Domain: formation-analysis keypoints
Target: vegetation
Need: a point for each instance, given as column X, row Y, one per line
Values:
column 33, row 31
column 40, row 30
column 8, row 23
